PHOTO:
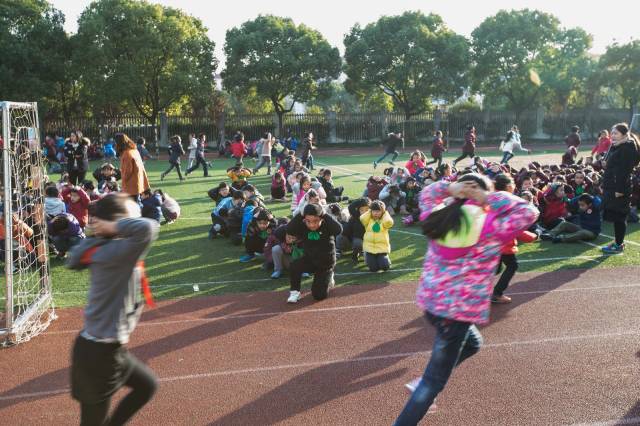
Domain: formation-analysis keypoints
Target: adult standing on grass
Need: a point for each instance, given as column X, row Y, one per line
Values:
column 620, row 161
column 134, row 175
column 76, row 150
column 466, row 236
column 317, row 232
column 266, row 145
column 101, row 363
column 202, row 140
column 469, row 147
column 390, row 148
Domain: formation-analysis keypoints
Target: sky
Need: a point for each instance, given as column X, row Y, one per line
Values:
column 607, row 21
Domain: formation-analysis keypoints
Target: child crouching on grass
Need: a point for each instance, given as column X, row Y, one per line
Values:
column 278, row 187
column 101, row 363
column 258, row 230
column 377, row 222
column 587, row 227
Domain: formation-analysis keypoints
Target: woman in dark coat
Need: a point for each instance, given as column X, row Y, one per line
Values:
column 76, row 151
column 622, row 158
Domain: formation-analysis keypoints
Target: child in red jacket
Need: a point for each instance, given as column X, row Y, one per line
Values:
column 509, row 250
column 77, row 202
column 238, row 148
column 555, row 206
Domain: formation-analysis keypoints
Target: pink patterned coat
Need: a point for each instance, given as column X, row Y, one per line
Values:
column 457, row 282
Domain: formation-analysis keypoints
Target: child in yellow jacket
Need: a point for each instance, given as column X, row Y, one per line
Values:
column 238, row 175
column 376, row 245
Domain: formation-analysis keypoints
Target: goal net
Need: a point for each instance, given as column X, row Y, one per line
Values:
column 25, row 289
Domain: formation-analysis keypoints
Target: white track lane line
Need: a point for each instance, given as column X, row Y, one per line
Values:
column 340, row 308
column 257, row 370
column 340, row 274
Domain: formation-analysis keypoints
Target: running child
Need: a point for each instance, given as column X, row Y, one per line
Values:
column 390, row 148
column 456, row 283
column 175, row 152
column 469, row 147
column 101, row 363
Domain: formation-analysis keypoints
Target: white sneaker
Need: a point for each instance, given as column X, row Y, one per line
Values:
column 294, row 296
column 412, row 385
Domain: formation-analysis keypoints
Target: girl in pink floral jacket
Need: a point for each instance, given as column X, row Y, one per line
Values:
column 467, row 226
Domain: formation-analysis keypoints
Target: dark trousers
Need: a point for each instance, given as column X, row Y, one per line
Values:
column 377, row 261
column 463, row 156
column 98, row 371
column 511, row 266
column 171, row 167
column 619, row 230
column 336, row 195
column 455, row 341
column 254, row 244
column 76, row 177
column 506, row 156
column 435, row 160
column 383, row 156
column 199, row 160
column 322, row 276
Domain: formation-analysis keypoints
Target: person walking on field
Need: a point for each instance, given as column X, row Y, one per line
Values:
column 265, row 153
column 573, row 138
column 193, row 147
column 202, row 140
column 469, row 147
column 465, row 240
column 437, row 149
column 101, row 363
column 175, row 152
column 390, row 148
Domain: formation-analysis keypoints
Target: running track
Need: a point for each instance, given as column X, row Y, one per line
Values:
column 565, row 352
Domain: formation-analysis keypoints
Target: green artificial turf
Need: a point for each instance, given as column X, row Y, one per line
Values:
column 183, row 255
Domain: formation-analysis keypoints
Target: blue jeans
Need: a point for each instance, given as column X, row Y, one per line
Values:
column 455, row 341
column 383, row 156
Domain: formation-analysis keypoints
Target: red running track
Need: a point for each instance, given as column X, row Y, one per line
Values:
column 564, row 352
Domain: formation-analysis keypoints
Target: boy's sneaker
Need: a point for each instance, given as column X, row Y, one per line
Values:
column 545, row 236
column 355, row 257
column 276, row 275
column 557, row 239
column 294, row 296
column 412, row 385
column 407, row 220
column 613, row 248
column 501, row 300
column 306, row 275
column 247, row 258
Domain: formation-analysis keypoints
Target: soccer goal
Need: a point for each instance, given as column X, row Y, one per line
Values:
column 26, row 283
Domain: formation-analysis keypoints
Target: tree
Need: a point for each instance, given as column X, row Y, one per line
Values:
column 566, row 67
column 509, row 50
column 143, row 55
column 621, row 68
column 412, row 58
column 34, row 49
column 280, row 61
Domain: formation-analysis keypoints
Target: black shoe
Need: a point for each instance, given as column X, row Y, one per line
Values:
column 557, row 239
column 545, row 236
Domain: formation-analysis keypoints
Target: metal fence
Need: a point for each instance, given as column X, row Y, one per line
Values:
column 347, row 127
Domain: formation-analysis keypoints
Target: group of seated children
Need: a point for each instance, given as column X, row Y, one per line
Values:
column 68, row 207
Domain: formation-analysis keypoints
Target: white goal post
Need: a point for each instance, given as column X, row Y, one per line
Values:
column 26, row 283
